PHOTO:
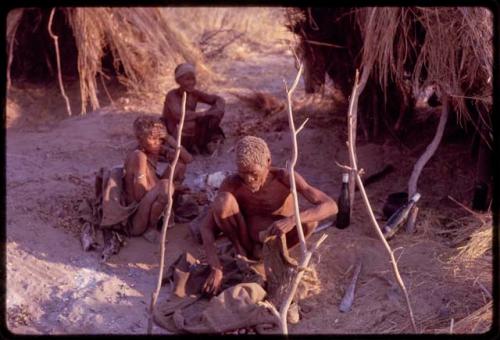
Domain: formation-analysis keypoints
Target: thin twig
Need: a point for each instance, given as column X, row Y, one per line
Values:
column 11, row 55
column 58, row 59
column 106, row 89
column 154, row 296
column 473, row 213
column 352, row 156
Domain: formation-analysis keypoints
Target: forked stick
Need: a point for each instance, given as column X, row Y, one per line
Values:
column 154, row 296
column 352, row 156
column 58, row 59
column 306, row 255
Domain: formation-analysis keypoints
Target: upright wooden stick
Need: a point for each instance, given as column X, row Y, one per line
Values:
column 352, row 156
column 306, row 255
column 293, row 161
column 154, row 296
column 58, row 59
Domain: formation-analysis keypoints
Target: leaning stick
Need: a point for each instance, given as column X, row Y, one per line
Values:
column 154, row 296
column 353, row 112
column 58, row 58
column 306, row 255
column 422, row 161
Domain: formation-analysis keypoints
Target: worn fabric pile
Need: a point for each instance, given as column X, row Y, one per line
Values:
column 246, row 285
column 106, row 212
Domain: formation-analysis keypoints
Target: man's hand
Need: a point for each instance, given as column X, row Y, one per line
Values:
column 213, row 282
column 282, row 226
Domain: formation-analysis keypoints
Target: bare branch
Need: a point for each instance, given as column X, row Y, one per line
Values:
column 301, row 126
column 352, row 157
column 306, row 255
column 154, row 296
column 58, row 59
column 430, row 150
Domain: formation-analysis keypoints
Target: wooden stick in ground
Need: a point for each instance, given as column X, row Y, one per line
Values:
column 154, row 296
column 293, row 161
column 352, row 156
column 58, row 59
column 428, row 153
column 306, row 255
column 352, row 120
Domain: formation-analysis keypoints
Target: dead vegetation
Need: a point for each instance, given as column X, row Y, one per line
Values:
column 405, row 49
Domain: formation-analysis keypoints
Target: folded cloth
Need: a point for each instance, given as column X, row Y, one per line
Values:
column 237, row 306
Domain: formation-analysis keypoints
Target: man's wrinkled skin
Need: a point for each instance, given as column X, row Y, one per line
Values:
column 254, row 199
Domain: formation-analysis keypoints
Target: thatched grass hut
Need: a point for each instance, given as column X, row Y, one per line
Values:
column 404, row 49
column 136, row 45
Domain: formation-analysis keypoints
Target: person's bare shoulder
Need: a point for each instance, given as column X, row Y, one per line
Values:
column 281, row 174
column 135, row 159
column 171, row 94
column 231, row 183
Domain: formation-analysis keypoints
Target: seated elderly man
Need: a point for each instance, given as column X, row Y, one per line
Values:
column 201, row 128
column 142, row 185
column 255, row 199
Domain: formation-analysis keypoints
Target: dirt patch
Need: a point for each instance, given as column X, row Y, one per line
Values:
column 55, row 288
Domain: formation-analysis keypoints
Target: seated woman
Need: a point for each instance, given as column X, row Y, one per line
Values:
column 201, row 128
column 142, row 185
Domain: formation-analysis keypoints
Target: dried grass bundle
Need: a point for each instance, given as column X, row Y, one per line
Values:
column 448, row 46
column 480, row 244
column 142, row 41
column 479, row 321
column 455, row 51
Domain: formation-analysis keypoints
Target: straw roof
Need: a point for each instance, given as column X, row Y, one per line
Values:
column 143, row 43
column 449, row 46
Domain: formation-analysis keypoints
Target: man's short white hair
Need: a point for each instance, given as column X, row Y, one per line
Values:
column 252, row 150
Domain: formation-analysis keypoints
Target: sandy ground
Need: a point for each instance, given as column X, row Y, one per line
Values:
column 53, row 287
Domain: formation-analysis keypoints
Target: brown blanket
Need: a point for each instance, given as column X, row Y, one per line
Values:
column 107, row 212
column 237, row 306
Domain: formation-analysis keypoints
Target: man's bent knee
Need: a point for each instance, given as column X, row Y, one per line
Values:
column 225, row 205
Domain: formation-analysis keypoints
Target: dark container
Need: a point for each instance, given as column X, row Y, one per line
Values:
column 393, row 202
column 344, row 204
column 480, row 200
column 401, row 215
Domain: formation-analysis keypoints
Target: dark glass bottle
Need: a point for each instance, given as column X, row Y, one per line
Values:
column 396, row 220
column 344, row 204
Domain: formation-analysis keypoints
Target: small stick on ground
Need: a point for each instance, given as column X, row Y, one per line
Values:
column 348, row 299
column 58, row 59
column 154, row 296
column 475, row 214
column 352, row 156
